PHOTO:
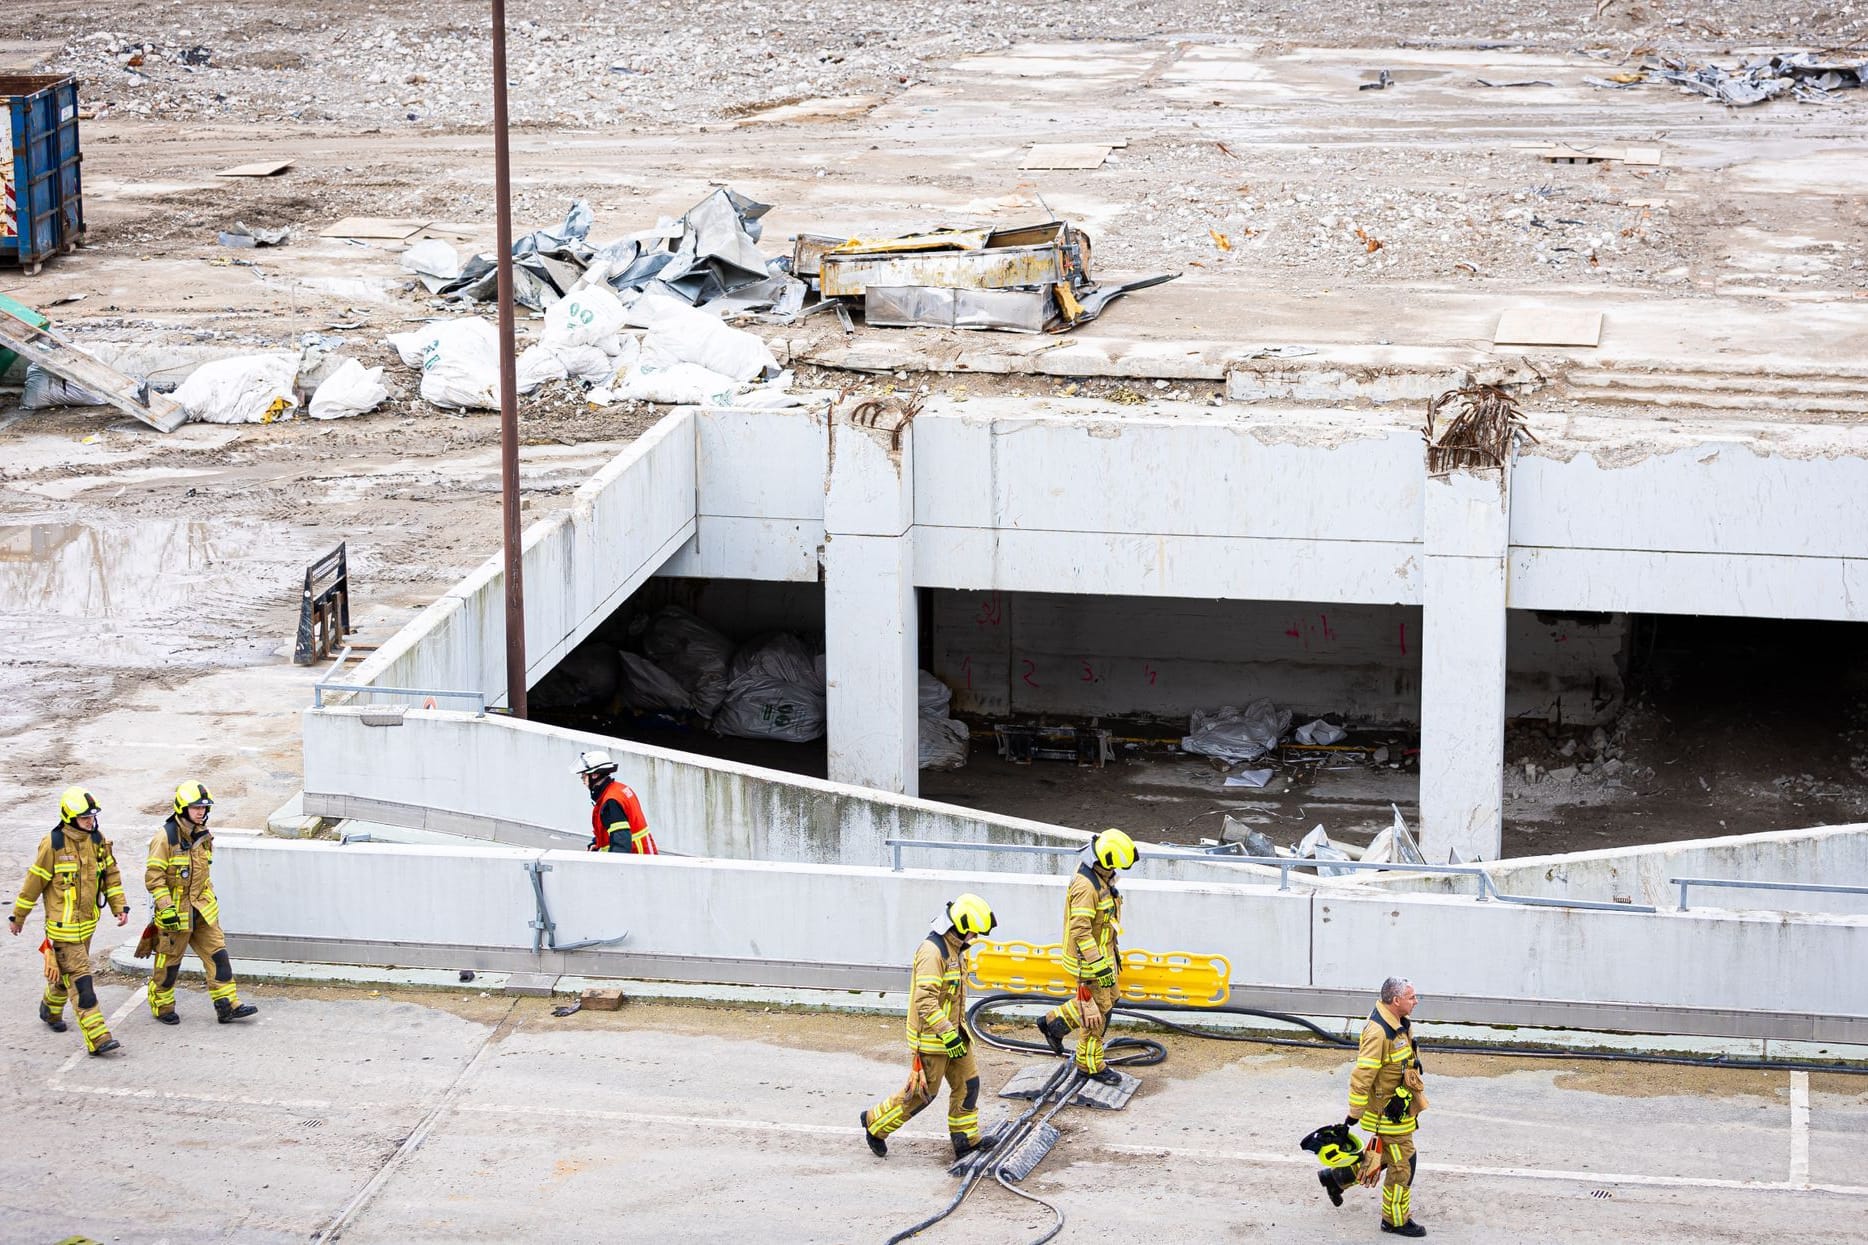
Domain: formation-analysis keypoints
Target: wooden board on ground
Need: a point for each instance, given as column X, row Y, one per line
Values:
column 1548, row 326
column 264, row 168
column 1074, row 156
column 1586, row 153
column 385, row 228
column 25, row 333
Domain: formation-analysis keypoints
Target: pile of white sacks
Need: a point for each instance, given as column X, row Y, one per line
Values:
column 654, row 349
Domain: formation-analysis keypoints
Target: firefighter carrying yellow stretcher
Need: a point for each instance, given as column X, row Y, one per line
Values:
column 1092, row 952
column 940, row 1046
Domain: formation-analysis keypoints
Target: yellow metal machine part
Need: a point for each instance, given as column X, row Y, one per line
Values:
column 1146, row 977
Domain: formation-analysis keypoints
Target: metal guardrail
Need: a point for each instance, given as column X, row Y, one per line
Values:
column 319, row 688
column 1734, row 884
column 1284, row 865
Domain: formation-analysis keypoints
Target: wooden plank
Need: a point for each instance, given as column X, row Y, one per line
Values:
column 62, row 359
column 386, row 228
column 1077, row 156
column 264, row 168
column 1548, row 326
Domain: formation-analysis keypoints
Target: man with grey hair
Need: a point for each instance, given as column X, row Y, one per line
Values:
column 1386, row 1095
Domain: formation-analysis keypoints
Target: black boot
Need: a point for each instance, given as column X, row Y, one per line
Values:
column 228, row 1013
column 1410, row 1228
column 106, row 1046
column 1108, row 1076
column 877, row 1146
column 1053, row 1031
column 168, row 1018
column 55, row 1023
column 962, row 1147
column 1327, row 1178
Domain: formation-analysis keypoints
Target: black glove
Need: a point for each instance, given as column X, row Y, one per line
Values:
column 169, row 919
column 955, row 1042
column 1349, row 1121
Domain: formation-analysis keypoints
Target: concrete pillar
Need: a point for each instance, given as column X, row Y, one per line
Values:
column 1462, row 711
column 870, row 628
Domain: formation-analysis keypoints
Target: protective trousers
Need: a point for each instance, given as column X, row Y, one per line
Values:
column 1090, row 1045
column 208, row 942
column 1398, row 1178
column 962, row 1077
column 74, row 977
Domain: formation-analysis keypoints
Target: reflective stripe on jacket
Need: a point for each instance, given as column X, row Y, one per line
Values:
column 1386, row 1053
column 178, row 872
column 77, row 874
column 1092, row 923
column 616, row 805
column 936, row 993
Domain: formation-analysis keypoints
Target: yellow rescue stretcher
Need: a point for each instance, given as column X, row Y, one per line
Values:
column 1146, row 977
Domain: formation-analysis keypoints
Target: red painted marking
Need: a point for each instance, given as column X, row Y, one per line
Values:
column 1327, row 633
column 991, row 611
column 1404, row 639
column 1150, row 672
column 966, row 671
column 1031, row 668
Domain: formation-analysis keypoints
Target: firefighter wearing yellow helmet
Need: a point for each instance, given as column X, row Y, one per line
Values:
column 76, row 871
column 1092, row 952
column 180, row 882
column 938, row 1041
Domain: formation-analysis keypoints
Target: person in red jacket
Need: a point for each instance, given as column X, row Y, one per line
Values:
column 617, row 823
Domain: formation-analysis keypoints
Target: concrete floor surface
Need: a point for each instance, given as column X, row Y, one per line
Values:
column 409, row 1116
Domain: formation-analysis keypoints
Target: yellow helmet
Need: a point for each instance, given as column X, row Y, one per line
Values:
column 1113, row 849
column 75, row 803
column 191, row 793
column 971, row 915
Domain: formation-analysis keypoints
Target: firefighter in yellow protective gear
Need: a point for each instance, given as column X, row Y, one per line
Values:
column 941, row 1047
column 76, row 871
column 179, row 880
column 1386, row 1097
column 1092, row 953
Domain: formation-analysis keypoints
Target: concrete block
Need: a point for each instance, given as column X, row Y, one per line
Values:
column 531, row 985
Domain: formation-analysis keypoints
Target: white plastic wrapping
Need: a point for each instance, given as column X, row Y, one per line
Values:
column 693, row 653
column 250, row 389
column 351, row 390
column 1237, row 734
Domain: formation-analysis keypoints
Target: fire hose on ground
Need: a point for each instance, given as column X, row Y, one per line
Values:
column 1022, row 1144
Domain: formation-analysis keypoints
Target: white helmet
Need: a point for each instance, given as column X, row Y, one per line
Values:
column 593, row 763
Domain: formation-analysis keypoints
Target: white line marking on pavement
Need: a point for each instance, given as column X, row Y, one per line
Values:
column 1519, row 1173
column 1229, row 1156
column 1800, row 1129
column 1795, row 1185
column 110, row 1022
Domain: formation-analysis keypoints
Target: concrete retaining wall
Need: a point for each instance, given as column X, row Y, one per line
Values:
column 814, row 925
column 1828, row 854
column 507, row 781
column 580, row 565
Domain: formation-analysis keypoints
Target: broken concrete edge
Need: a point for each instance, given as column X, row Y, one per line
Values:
column 1449, row 1038
column 1118, row 358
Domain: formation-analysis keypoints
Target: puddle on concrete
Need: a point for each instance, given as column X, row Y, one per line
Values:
column 140, row 593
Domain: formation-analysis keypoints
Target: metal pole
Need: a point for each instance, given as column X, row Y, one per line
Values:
column 508, row 381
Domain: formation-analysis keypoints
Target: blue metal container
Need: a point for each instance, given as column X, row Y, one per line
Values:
column 41, row 190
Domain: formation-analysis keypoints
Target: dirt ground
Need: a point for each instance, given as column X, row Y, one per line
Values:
column 143, row 576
